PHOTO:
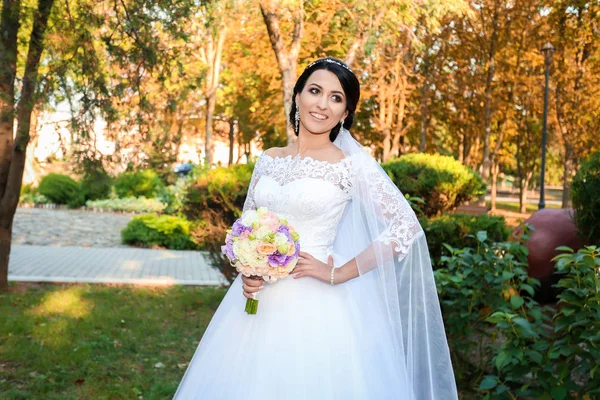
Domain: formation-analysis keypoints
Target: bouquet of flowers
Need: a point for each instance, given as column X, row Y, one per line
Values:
column 262, row 244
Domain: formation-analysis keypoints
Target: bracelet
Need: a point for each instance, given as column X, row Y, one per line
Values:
column 331, row 277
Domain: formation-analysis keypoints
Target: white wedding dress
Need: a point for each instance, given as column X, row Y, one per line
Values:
column 309, row 340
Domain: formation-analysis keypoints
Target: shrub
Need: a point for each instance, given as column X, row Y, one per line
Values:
column 443, row 182
column 585, row 194
column 129, row 204
column 61, row 189
column 96, row 185
column 506, row 345
column 138, row 184
column 458, row 229
column 215, row 200
column 28, row 188
column 478, row 283
column 33, row 198
column 158, row 230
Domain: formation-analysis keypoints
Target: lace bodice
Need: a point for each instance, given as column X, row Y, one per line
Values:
column 310, row 194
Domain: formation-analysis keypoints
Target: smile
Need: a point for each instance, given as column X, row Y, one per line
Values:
column 319, row 116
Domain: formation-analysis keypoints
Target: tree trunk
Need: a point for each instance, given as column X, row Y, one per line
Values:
column 424, row 117
column 568, row 169
column 9, row 27
column 214, row 54
column 494, row 189
column 231, row 140
column 523, row 192
column 286, row 60
column 11, row 173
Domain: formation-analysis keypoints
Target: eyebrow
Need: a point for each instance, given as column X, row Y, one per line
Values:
column 320, row 87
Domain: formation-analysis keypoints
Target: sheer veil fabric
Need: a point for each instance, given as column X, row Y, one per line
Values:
column 380, row 230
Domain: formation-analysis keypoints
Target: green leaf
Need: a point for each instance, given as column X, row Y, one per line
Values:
column 502, row 359
column 528, row 288
column 506, row 275
column 565, row 248
column 535, row 356
column 558, row 393
column 516, row 301
column 489, row 382
column 482, row 236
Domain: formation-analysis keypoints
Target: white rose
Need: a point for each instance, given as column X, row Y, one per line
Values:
column 280, row 239
column 250, row 217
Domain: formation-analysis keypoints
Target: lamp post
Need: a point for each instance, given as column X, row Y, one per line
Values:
column 548, row 51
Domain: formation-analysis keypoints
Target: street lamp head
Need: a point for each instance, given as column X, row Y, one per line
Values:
column 548, row 51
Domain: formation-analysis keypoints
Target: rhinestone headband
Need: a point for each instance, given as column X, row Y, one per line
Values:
column 329, row 60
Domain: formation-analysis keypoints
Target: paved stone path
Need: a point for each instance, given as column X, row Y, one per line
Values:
column 80, row 246
column 116, row 265
column 44, row 227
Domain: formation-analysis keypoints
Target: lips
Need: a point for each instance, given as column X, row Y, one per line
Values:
column 318, row 116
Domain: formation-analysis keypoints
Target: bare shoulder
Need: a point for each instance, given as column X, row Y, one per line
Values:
column 332, row 155
column 277, row 151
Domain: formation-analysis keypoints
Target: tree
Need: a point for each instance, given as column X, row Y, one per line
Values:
column 286, row 59
column 13, row 148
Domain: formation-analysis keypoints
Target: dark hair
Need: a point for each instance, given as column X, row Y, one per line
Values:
column 349, row 83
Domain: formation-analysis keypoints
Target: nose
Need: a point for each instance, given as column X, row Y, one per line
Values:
column 322, row 103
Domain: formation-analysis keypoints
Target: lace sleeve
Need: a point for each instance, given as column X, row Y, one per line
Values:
column 379, row 196
column 249, row 203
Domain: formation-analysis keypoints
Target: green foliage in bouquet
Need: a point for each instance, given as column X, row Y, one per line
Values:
column 443, row 182
column 144, row 183
column 458, row 229
column 585, row 194
column 158, row 230
column 61, row 189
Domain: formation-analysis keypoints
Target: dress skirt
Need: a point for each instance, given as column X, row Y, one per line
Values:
column 308, row 340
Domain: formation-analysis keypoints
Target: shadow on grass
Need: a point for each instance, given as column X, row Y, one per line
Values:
column 81, row 341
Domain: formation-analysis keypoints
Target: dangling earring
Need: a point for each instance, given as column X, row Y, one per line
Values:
column 341, row 127
column 297, row 121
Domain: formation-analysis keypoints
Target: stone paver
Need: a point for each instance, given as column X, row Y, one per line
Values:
column 44, row 227
column 111, row 265
column 82, row 246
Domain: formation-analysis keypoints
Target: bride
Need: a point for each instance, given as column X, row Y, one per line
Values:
column 359, row 317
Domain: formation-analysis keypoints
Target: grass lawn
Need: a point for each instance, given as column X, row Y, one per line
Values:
column 80, row 341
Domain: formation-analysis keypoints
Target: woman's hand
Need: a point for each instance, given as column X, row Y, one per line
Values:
column 251, row 285
column 310, row 266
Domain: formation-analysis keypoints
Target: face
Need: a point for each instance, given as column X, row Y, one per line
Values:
column 322, row 102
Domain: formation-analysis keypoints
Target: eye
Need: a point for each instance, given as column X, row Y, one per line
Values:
column 314, row 90
column 336, row 98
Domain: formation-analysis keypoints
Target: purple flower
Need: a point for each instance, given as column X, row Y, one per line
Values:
column 277, row 259
column 286, row 231
column 228, row 250
column 238, row 228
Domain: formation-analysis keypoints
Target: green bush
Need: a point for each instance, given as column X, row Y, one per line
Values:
column 138, row 184
column 96, row 185
column 129, row 204
column 585, row 194
column 158, row 230
column 28, row 188
column 61, row 189
column 505, row 345
column 443, row 182
column 214, row 201
column 33, row 198
column 457, row 230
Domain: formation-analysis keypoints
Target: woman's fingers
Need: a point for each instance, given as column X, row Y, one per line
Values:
column 303, row 254
column 252, row 282
column 251, row 289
